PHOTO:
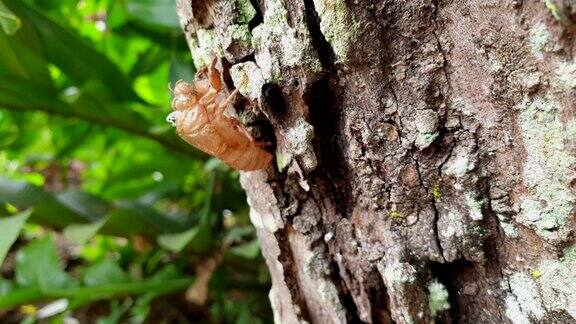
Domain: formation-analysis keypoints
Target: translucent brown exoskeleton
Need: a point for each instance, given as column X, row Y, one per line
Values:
column 200, row 119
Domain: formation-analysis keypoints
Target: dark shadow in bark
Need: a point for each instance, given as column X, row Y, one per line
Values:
column 453, row 275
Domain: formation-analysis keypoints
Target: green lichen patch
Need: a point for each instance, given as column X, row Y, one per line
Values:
column 246, row 11
column 337, row 25
column 396, row 215
column 277, row 44
column 549, row 201
column 436, row 193
column 553, row 8
column 205, row 46
column 437, row 298
column 241, row 34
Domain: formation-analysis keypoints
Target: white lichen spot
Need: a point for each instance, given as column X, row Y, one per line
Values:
column 437, row 298
column 270, row 223
column 397, row 273
column 495, row 64
column 552, row 290
column 460, row 165
column 456, row 227
column 329, row 294
column 475, row 207
column 514, row 313
column 549, row 201
column 566, row 74
column 539, row 38
column 571, row 130
column 525, row 293
column 248, row 79
column 300, row 138
column 283, row 159
column 509, row 229
column 426, row 122
column 337, row 25
column 558, row 283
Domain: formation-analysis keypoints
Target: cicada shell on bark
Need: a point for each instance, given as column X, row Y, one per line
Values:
column 200, row 119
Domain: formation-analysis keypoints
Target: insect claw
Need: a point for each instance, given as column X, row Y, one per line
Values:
column 172, row 117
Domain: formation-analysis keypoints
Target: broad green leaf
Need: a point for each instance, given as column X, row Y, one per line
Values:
column 9, row 230
column 6, row 286
column 37, row 267
column 47, row 209
column 148, row 61
column 81, row 233
column 117, row 310
column 130, row 218
column 158, row 13
column 73, row 56
column 103, row 273
column 9, row 22
column 22, row 56
column 15, row 95
column 126, row 219
column 198, row 239
column 250, row 250
column 21, row 296
column 87, row 205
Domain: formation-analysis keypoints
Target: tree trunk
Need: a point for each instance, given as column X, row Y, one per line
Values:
column 424, row 150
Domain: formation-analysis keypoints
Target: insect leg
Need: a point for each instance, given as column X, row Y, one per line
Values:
column 239, row 126
column 208, row 97
column 230, row 99
column 214, row 75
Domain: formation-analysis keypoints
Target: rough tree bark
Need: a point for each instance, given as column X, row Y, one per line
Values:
column 425, row 154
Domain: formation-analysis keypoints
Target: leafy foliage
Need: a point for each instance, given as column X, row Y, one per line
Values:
column 102, row 207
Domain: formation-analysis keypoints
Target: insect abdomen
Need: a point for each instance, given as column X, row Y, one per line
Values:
column 250, row 159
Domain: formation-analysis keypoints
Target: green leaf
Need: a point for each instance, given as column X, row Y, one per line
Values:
column 126, row 219
column 158, row 13
column 22, row 55
column 37, row 267
column 148, row 61
column 81, row 233
column 103, row 273
column 15, row 95
column 250, row 250
column 6, row 286
column 47, row 209
column 198, row 239
column 9, row 22
column 80, row 61
column 29, row 295
column 9, row 230
column 87, row 205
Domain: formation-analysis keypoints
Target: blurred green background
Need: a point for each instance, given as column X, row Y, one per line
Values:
column 106, row 216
